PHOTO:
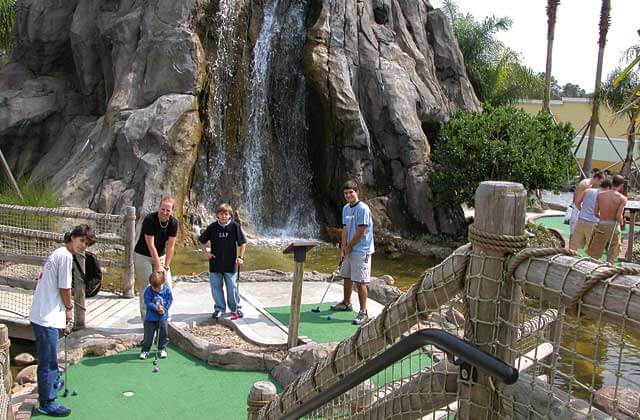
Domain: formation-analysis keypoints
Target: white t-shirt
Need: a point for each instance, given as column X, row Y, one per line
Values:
column 48, row 307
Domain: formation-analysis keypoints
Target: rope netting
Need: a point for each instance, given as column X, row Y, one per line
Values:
column 29, row 234
column 569, row 324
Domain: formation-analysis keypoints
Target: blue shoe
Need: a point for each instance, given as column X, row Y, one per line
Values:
column 54, row 409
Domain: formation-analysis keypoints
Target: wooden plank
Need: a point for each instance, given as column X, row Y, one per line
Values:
column 533, row 357
column 102, row 309
column 109, row 311
column 60, row 212
column 631, row 237
column 53, row 236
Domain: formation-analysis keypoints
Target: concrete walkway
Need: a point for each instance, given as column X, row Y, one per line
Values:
column 192, row 303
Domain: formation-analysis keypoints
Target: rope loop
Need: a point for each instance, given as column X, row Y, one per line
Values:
column 497, row 242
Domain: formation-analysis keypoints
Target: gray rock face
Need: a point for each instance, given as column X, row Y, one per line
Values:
column 109, row 100
column 103, row 100
column 383, row 74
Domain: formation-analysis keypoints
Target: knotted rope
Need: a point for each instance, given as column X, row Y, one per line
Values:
column 497, row 242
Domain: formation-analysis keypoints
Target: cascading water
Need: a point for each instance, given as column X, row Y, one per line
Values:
column 277, row 174
column 221, row 72
column 254, row 151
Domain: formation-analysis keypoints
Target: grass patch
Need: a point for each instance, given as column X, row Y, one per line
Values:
column 34, row 194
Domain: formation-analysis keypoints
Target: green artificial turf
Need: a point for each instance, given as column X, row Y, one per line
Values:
column 316, row 326
column 185, row 387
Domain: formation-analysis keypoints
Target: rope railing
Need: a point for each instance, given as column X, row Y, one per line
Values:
column 570, row 324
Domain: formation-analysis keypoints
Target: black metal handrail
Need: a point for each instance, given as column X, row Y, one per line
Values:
column 449, row 343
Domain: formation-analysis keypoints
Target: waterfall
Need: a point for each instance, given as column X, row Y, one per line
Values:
column 277, row 173
column 254, row 149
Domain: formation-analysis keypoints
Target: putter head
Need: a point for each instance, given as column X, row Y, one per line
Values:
column 65, row 393
column 316, row 309
column 155, row 362
column 156, row 369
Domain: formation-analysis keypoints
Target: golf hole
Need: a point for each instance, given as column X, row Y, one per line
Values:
column 128, row 393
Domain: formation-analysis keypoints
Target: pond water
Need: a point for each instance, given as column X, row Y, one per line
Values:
column 405, row 269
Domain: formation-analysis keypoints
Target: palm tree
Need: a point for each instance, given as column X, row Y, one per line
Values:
column 622, row 95
column 617, row 93
column 597, row 92
column 552, row 7
column 493, row 69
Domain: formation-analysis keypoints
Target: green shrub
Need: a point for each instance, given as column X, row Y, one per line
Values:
column 499, row 144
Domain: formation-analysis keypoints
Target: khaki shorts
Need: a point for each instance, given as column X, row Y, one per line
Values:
column 356, row 267
column 581, row 234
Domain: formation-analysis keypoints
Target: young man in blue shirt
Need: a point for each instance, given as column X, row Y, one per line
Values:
column 226, row 237
column 356, row 248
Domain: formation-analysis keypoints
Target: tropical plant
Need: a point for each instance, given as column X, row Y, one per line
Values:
column 503, row 143
column 621, row 89
column 34, row 194
column 7, row 24
column 495, row 71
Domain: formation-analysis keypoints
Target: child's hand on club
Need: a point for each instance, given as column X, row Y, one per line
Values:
column 160, row 309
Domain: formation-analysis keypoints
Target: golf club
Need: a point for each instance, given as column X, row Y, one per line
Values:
column 69, row 327
column 155, row 359
column 333, row 276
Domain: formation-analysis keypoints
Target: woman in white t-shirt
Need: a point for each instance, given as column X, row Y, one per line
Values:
column 52, row 315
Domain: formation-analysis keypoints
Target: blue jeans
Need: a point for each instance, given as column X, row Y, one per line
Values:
column 47, row 352
column 150, row 328
column 233, row 296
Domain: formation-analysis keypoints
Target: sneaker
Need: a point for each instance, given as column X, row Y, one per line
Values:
column 361, row 318
column 342, row 307
column 163, row 354
column 144, row 355
column 240, row 313
column 235, row 316
column 54, row 409
column 216, row 314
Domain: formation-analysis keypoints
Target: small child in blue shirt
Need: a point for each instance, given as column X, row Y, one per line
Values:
column 157, row 299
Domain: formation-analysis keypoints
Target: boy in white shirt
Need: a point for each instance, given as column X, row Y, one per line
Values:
column 52, row 314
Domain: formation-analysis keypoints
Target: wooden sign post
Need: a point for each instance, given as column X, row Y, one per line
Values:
column 299, row 250
column 633, row 207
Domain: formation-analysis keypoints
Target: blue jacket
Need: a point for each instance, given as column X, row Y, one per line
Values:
column 153, row 299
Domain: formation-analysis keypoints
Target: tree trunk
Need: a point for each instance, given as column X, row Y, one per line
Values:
column 631, row 142
column 604, row 28
column 552, row 7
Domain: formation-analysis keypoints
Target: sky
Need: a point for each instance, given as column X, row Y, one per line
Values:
column 575, row 47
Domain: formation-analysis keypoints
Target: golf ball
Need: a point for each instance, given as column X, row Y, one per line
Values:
column 74, row 393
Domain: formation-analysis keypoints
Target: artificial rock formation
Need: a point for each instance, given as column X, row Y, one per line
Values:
column 109, row 100
column 102, row 99
column 383, row 74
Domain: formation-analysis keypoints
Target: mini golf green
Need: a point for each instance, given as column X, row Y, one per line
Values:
column 185, row 387
column 317, row 327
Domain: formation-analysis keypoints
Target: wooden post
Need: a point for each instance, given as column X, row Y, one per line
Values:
column 5, row 345
column 299, row 250
column 9, row 175
column 500, row 209
column 129, row 270
column 261, row 394
column 630, row 238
